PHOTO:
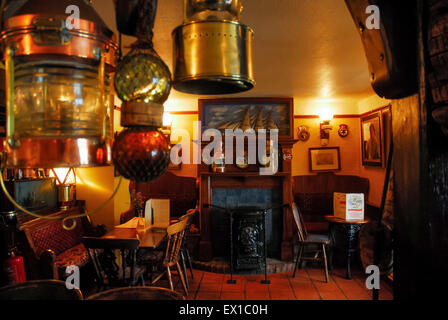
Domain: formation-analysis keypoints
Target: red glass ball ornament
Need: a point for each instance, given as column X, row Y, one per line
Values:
column 141, row 154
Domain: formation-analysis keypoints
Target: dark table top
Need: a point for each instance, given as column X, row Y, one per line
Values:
column 339, row 220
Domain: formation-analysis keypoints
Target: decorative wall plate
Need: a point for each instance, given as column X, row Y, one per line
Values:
column 303, row 132
column 343, row 130
column 242, row 162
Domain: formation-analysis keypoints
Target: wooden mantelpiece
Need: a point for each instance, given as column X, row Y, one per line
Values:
column 247, row 180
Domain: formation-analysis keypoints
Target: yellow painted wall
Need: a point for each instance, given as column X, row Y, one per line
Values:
column 186, row 121
column 371, row 103
column 122, row 200
column 95, row 186
column 349, row 146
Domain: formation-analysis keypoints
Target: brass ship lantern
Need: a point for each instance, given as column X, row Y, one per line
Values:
column 58, row 58
column 58, row 95
column 212, row 49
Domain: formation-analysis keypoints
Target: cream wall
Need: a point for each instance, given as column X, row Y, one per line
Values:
column 311, row 106
column 371, row 103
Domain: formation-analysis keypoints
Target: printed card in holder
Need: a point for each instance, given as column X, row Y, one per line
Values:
column 348, row 206
column 157, row 213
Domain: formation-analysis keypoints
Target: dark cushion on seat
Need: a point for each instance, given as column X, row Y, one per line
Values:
column 317, row 227
column 318, row 238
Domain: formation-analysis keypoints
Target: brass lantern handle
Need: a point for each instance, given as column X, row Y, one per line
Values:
column 102, row 89
column 11, row 137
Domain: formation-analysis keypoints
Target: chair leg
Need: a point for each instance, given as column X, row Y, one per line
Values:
column 330, row 252
column 299, row 257
column 184, row 266
column 182, row 278
column 325, row 262
column 170, row 279
column 189, row 263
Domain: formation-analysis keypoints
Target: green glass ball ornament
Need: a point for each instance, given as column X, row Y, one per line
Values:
column 142, row 76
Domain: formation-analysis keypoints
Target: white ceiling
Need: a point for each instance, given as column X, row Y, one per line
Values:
column 306, row 49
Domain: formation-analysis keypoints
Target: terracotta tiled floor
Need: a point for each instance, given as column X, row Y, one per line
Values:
column 309, row 284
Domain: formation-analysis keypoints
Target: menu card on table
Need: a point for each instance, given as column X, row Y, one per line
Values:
column 157, row 213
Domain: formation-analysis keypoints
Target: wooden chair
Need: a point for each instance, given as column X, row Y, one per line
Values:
column 108, row 273
column 310, row 241
column 175, row 234
column 184, row 253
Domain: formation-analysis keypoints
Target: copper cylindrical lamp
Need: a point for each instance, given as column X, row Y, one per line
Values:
column 59, row 102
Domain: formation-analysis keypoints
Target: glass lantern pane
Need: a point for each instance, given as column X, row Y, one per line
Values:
column 58, row 101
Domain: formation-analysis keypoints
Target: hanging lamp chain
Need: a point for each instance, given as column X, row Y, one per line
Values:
column 145, row 24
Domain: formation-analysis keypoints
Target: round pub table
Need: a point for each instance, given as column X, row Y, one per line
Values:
column 350, row 230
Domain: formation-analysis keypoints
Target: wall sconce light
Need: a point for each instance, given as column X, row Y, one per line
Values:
column 66, row 186
column 167, row 123
column 325, row 116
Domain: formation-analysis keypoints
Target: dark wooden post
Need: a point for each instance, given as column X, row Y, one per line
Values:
column 421, row 189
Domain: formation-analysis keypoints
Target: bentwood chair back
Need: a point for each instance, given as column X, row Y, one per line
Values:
column 318, row 243
column 40, row 290
column 301, row 229
column 175, row 234
column 184, row 253
column 102, row 253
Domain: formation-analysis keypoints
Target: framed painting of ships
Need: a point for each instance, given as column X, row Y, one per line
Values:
column 248, row 113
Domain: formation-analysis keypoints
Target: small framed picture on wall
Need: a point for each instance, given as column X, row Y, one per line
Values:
column 325, row 159
column 372, row 140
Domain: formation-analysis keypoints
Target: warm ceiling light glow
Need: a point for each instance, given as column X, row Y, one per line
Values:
column 326, row 114
column 326, row 91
